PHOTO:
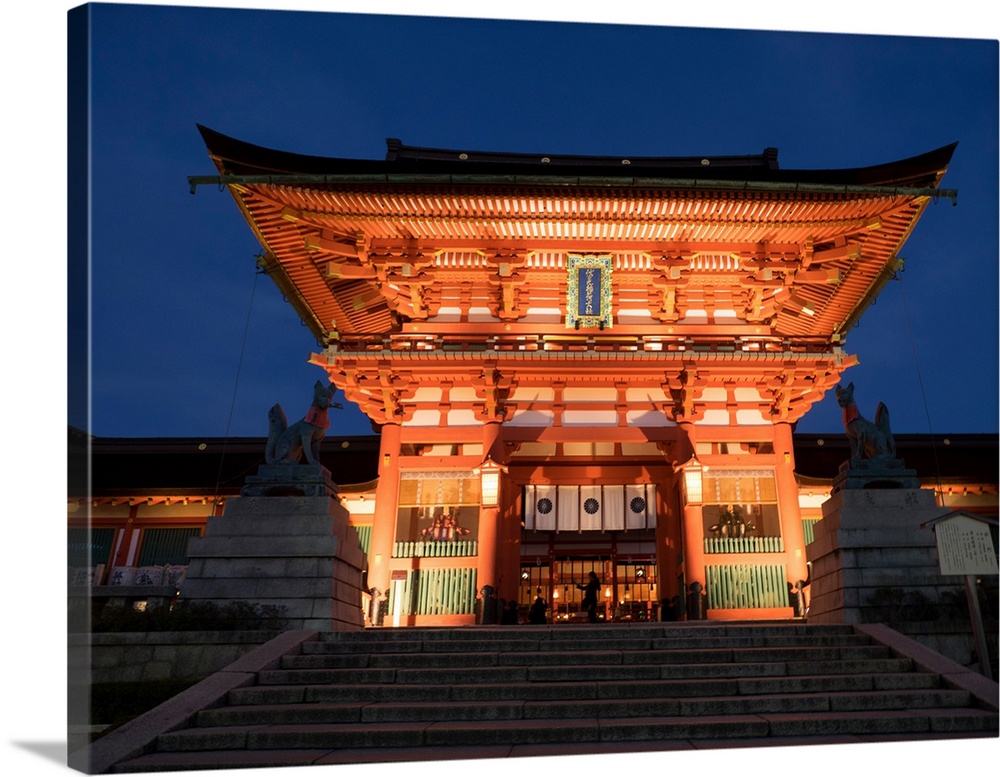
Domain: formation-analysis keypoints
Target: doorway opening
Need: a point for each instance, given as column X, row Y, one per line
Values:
column 628, row 590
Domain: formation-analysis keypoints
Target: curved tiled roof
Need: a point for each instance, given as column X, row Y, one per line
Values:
column 236, row 157
column 475, row 245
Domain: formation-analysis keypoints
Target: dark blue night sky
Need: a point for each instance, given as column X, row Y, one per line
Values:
column 188, row 341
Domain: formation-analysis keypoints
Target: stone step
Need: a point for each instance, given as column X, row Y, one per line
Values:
column 555, row 633
column 430, row 694
column 450, row 733
column 835, row 683
column 825, row 702
column 441, row 673
column 180, row 761
column 586, row 688
column 267, row 759
column 749, row 655
column 515, row 639
column 849, row 666
column 455, row 733
column 325, row 660
column 397, row 711
column 292, row 694
column 721, row 671
column 907, row 721
column 503, row 643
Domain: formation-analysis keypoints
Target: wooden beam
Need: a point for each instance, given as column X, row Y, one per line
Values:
column 667, row 331
column 851, row 251
column 830, row 276
column 316, row 243
column 347, row 271
column 587, row 434
column 489, row 248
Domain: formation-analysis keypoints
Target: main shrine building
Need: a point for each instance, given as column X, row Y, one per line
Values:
column 579, row 363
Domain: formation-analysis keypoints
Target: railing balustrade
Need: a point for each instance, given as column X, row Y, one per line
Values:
column 426, row 549
column 744, row 545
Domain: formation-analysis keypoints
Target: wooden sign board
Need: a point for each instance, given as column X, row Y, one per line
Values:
column 965, row 547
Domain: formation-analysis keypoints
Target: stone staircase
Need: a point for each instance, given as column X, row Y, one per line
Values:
column 437, row 693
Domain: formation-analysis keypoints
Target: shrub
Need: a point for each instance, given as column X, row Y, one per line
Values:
column 191, row 616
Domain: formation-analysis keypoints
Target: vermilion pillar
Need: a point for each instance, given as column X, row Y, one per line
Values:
column 669, row 506
column 489, row 517
column 386, row 499
column 509, row 541
column 788, row 503
column 123, row 552
column 693, row 526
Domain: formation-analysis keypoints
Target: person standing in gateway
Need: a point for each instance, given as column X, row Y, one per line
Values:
column 536, row 614
column 591, row 590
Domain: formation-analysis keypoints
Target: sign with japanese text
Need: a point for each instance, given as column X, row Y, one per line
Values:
column 588, row 292
column 965, row 547
column 589, row 284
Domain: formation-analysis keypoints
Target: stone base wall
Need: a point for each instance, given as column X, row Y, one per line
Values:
column 873, row 563
column 293, row 552
column 869, row 544
column 169, row 655
column 951, row 638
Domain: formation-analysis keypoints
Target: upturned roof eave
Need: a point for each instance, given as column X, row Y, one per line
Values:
column 242, row 162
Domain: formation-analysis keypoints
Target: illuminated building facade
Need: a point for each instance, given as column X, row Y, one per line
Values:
column 580, row 363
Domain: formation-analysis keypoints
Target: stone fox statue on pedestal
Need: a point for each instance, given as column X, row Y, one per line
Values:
column 868, row 440
column 288, row 444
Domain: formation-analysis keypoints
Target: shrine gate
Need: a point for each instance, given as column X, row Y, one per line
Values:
column 579, row 363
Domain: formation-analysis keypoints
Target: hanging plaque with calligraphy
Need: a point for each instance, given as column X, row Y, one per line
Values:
column 588, row 292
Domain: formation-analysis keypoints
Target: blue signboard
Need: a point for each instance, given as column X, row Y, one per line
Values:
column 588, row 292
column 589, row 284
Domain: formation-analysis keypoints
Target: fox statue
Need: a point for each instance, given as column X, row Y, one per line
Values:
column 868, row 440
column 289, row 444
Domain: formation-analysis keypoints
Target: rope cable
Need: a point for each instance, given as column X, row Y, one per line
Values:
column 920, row 384
column 236, row 385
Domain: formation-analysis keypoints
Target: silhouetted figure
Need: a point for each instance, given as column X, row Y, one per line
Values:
column 591, row 590
column 536, row 614
column 510, row 613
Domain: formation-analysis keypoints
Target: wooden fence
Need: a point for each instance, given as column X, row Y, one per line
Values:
column 437, row 592
column 745, row 586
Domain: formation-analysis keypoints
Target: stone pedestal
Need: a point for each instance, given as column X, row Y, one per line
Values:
column 875, row 474
column 870, row 554
column 290, row 480
column 295, row 552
